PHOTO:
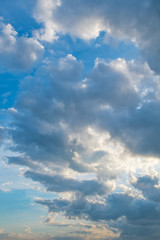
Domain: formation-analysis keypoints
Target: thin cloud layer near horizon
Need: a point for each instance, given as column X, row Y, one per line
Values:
column 80, row 119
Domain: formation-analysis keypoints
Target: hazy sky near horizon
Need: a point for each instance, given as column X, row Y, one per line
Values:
column 79, row 119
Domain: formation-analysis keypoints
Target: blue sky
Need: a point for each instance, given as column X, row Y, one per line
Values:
column 79, row 119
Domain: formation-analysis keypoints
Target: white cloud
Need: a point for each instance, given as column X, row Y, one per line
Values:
column 92, row 141
column 85, row 142
column 18, row 53
column 81, row 21
column 137, row 22
column 78, row 128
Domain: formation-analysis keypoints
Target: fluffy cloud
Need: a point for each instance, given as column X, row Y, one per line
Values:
column 88, row 129
column 137, row 21
column 50, row 118
column 91, row 139
column 18, row 53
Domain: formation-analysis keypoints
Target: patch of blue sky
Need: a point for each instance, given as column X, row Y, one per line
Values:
column 17, row 200
column 19, row 14
column 8, row 89
column 18, row 210
column 88, row 51
column 12, row 179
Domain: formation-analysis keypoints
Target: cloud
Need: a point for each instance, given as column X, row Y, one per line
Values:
column 18, row 53
column 92, row 232
column 137, row 211
column 80, row 135
column 137, row 22
column 57, row 183
column 131, row 215
column 106, row 84
column 77, row 229
column 149, row 187
column 51, row 119
column 80, row 231
column 25, row 236
column 2, row 135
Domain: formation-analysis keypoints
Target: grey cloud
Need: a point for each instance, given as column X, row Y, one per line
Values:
column 41, row 146
column 58, row 183
column 2, row 135
column 149, row 187
column 58, row 107
column 139, row 232
column 118, row 97
column 44, row 111
column 133, row 216
column 138, row 128
column 137, row 211
column 109, row 85
column 49, row 112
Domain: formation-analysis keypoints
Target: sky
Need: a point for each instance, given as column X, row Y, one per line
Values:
column 79, row 120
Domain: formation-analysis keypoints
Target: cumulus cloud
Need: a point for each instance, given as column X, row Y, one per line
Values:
column 76, row 135
column 137, row 22
column 18, row 53
column 51, row 119
column 106, row 85
column 81, row 135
